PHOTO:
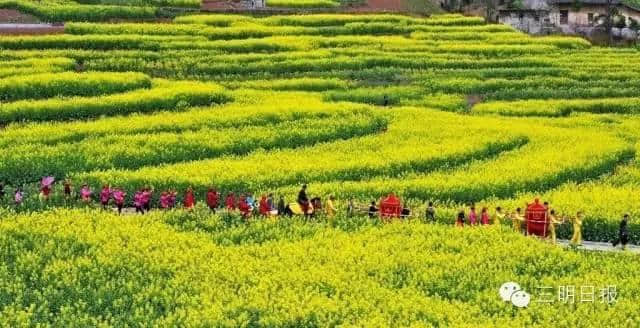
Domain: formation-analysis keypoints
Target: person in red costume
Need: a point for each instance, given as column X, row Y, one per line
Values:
column 212, row 199
column 189, row 199
column 230, row 202
column 244, row 208
column 264, row 206
column 484, row 216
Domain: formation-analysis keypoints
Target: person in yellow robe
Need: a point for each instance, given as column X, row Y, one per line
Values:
column 331, row 208
column 498, row 217
column 516, row 220
column 577, row 229
column 553, row 222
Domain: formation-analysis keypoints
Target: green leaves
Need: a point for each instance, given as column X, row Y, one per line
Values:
column 69, row 84
column 165, row 97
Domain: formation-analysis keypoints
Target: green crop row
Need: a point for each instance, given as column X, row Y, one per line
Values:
column 35, row 66
column 559, row 107
column 319, row 20
column 532, row 87
column 250, row 108
column 29, row 162
column 194, row 68
column 62, row 12
column 243, row 30
column 301, row 84
column 95, row 42
column 541, row 165
column 69, row 84
column 404, row 148
column 178, row 96
column 505, row 38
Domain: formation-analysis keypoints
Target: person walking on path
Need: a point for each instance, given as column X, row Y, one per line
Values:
column 331, row 208
column 460, row 219
column 138, row 202
column 18, row 197
column 105, row 194
column 230, row 202
column 430, row 213
column 553, row 222
column 263, row 206
column 351, row 208
column 484, row 216
column 516, row 220
column 118, row 198
column 282, row 207
column 577, row 221
column 473, row 217
column 373, row 210
column 147, row 194
column 498, row 217
column 623, row 233
column 85, row 194
column 303, row 200
column 67, row 189
column 189, row 199
column 213, row 197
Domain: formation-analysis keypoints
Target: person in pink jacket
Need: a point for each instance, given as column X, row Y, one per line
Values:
column 138, row 202
column 473, row 216
column 105, row 195
column 85, row 193
column 172, row 198
column 118, row 198
column 18, row 196
column 164, row 200
column 146, row 199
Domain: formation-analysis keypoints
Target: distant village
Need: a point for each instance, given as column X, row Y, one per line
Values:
column 582, row 17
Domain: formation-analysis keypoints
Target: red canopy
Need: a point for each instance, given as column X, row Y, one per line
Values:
column 537, row 219
column 390, row 206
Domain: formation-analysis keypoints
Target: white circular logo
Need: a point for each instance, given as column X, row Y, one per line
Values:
column 507, row 289
column 520, row 299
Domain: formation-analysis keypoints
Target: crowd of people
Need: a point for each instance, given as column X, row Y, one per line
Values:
column 247, row 206
column 142, row 199
column 518, row 220
column 553, row 221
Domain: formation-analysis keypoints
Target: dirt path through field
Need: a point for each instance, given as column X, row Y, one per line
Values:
column 384, row 5
column 30, row 29
column 600, row 246
column 369, row 6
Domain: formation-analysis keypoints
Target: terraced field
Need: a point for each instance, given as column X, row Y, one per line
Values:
column 477, row 112
column 474, row 113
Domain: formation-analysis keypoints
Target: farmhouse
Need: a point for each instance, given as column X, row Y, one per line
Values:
column 566, row 16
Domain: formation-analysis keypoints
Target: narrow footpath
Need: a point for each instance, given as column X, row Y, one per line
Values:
column 601, row 246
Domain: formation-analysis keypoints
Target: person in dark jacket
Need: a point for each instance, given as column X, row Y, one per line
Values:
column 303, row 200
column 460, row 219
column 430, row 213
column 281, row 206
column 406, row 212
column 623, row 233
column 373, row 210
